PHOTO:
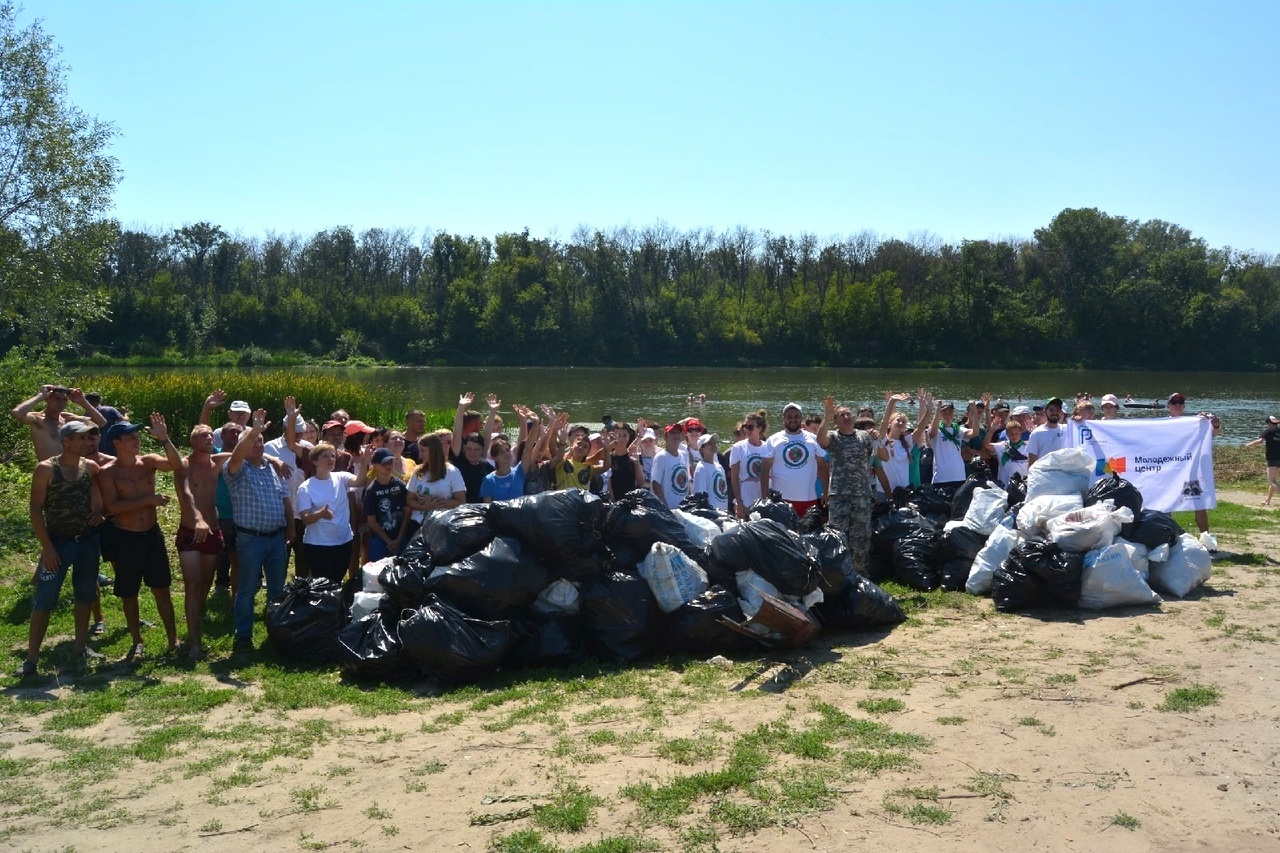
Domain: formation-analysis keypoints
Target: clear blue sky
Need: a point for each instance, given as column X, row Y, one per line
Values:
column 964, row 120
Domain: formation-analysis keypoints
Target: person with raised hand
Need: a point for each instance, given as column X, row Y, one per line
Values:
column 262, row 508
column 132, row 540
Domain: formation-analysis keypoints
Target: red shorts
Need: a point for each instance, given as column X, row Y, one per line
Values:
column 802, row 507
column 185, row 540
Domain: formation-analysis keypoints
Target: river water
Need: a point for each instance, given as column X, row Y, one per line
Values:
column 1241, row 400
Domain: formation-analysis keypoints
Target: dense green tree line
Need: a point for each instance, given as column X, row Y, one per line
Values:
column 1089, row 288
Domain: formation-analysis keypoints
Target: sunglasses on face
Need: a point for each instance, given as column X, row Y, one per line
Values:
column 749, row 427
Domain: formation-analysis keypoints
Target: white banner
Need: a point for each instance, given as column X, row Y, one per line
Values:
column 1170, row 460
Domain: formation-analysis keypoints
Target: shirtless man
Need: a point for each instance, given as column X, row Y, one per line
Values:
column 45, row 425
column 136, row 545
column 199, row 540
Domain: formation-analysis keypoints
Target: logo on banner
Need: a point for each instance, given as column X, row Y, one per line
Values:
column 1112, row 465
column 796, row 454
column 1191, row 489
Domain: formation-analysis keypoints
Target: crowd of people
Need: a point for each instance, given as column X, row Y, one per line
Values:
column 341, row 492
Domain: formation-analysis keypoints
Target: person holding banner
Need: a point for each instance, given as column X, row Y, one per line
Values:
column 1177, row 407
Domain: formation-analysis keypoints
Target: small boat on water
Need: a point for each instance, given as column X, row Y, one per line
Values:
column 1129, row 404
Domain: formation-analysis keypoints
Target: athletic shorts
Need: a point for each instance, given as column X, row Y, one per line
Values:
column 185, row 540
column 139, row 557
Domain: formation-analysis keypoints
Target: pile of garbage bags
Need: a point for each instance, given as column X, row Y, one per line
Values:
column 553, row 578
column 1052, row 540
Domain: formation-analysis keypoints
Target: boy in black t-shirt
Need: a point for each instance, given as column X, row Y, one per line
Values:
column 385, row 507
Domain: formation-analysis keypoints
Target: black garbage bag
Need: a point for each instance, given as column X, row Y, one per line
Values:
column 617, row 612
column 369, row 649
column 405, row 583
column 915, row 560
column 304, row 620
column 774, row 507
column 770, row 550
column 1038, row 574
column 636, row 521
column 700, row 505
column 562, row 527
column 934, row 499
column 956, row 551
column 1153, row 529
column 1017, row 490
column 859, row 605
column 1123, row 493
column 453, row 534
column 893, row 523
column 415, row 553
column 493, row 583
column 835, row 561
column 546, row 638
column 696, row 628
column 964, row 495
column 443, row 642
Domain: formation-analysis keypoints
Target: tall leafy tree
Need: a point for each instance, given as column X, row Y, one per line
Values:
column 55, row 180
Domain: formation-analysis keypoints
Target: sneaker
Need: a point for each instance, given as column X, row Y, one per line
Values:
column 242, row 644
column 135, row 653
column 99, row 628
column 27, row 670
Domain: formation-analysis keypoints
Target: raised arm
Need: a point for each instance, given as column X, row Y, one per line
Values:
column 76, row 396
column 160, row 432
column 256, row 427
column 491, row 422
column 926, row 418
column 291, row 412
column 213, row 401
column 828, row 417
column 891, row 401
column 25, row 410
column 464, row 402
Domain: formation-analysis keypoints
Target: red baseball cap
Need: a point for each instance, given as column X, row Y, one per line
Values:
column 354, row 427
column 672, row 428
column 693, row 423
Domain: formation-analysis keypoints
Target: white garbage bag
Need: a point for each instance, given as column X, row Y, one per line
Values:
column 999, row 544
column 1035, row 513
column 1137, row 555
column 1089, row 527
column 986, row 509
column 1111, row 580
column 750, row 586
column 674, row 578
column 363, row 604
column 701, row 530
column 1063, row 472
column 560, row 596
column 1188, row 566
column 369, row 574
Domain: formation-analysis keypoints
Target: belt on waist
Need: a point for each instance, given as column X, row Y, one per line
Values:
column 251, row 532
column 77, row 538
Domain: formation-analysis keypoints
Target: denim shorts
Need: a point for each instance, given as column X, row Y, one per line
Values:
column 81, row 557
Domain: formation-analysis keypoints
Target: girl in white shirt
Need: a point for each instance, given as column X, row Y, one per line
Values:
column 324, row 506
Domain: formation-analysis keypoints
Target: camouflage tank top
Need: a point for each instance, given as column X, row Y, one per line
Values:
column 66, row 503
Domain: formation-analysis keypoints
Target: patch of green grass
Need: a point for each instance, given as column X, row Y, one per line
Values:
column 1185, row 699
column 882, row 706
column 308, row 799
column 1061, row 678
column 952, row 721
column 1127, row 821
column 572, row 810
column 689, row 750
column 741, row 818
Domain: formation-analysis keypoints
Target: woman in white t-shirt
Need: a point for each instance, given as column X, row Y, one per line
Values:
column 435, row 484
column 324, row 506
column 898, row 443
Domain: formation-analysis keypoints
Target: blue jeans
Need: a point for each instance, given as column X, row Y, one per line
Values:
column 258, row 555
